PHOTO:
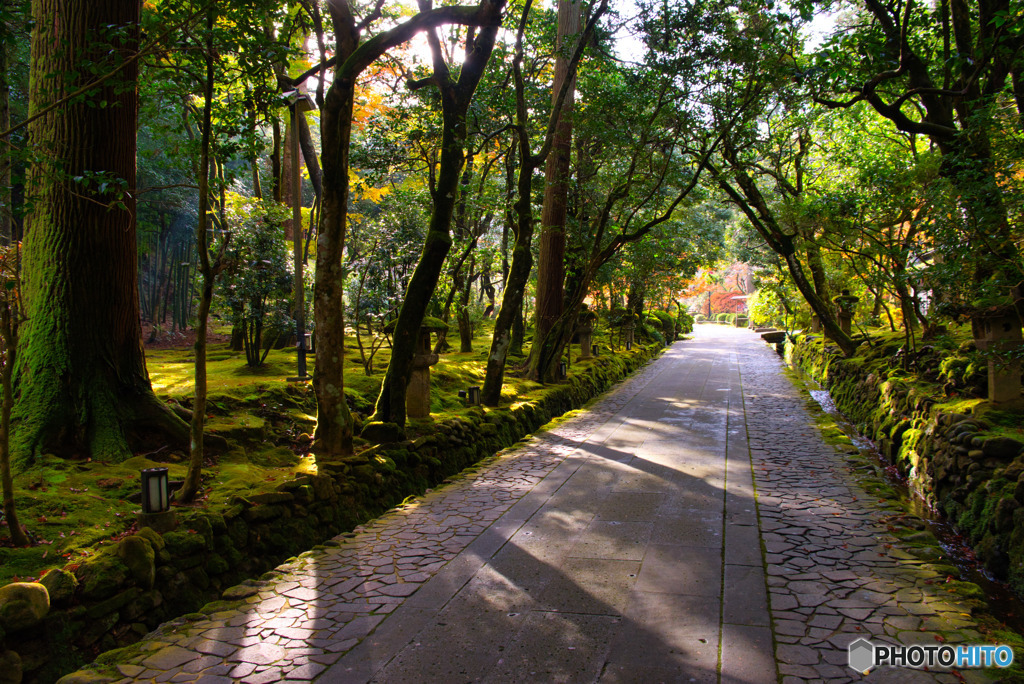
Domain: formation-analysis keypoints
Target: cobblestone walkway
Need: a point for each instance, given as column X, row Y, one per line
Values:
column 835, row 573
column 625, row 545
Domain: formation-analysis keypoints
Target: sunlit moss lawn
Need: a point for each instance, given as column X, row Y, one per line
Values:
column 71, row 506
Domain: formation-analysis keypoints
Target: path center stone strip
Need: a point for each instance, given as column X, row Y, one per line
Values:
column 691, row 526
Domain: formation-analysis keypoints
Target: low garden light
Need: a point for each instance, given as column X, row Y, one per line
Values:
column 629, row 344
column 155, row 498
column 474, row 396
column 562, row 370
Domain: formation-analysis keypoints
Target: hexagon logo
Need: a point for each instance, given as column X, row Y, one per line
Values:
column 861, row 655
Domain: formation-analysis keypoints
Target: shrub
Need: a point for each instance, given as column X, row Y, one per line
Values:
column 647, row 332
column 258, row 282
column 667, row 323
column 685, row 322
column 766, row 308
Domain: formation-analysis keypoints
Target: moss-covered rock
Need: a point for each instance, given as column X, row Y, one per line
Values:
column 153, row 537
column 10, row 667
column 138, row 555
column 274, row 457
column 184, row 543
column 61, row 586
column 382, row 433
column 23, row 605
column 101, row 577
column 112, row 604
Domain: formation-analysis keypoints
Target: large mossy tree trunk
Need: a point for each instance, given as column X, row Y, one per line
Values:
column 81, row 386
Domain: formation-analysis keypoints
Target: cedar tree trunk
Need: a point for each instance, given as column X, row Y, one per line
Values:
column 82, row 386
column 551, row 258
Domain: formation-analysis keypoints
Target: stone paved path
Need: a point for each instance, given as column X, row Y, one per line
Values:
column 629, row 544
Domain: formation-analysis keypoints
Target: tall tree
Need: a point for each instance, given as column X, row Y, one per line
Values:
column 82, row 385
column 456, row 95
column 207, row 272
column 333, row 436
column 551, row 258
column 944, row 71
column 6, row 209
column 522, row 221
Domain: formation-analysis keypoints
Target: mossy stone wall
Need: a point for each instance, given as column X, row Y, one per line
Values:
column 953, row 460
column 124, row 590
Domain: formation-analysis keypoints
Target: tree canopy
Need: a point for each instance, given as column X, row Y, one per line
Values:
column 882, row 157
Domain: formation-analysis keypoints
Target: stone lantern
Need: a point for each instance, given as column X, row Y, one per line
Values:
column 996, row 332
column 585, row 330
column 845, row 304
column 417, row 394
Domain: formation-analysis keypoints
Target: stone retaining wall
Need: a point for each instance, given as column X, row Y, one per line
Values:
column 126, row 589
column 953, row 460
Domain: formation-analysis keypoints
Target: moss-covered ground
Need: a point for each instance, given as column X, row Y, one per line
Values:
column 70, row 507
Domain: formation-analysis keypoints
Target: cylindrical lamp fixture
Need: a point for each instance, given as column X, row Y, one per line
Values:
column 629, row 344
column 562, row 372
column 474, row 395
column 154, row 490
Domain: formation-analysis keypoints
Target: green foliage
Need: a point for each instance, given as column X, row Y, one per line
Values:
column 665, row 321
column 383, row 243
column 257, row 284
column 766, row 308
column 649, row 333
column 685, row 322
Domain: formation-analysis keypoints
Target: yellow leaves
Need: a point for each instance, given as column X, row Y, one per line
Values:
column 368, row 103
column 361, row 190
